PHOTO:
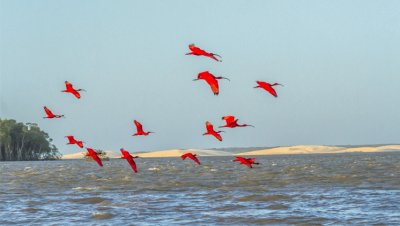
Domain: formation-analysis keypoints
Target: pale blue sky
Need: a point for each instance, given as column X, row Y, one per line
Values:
column 339, row 62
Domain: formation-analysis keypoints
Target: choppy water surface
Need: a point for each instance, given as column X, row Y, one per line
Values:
column 292, row 189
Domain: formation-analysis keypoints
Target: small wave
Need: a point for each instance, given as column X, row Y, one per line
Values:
column 259, row 198
column 31, row 210
column 102, row 215
column 85, row 188
column 154, row 169
column 92, row 200
column 278, row 207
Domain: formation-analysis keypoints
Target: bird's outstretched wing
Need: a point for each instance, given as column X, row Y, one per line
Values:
column 132, row 164
column 139, row 126
column 213, row 83
column 229, row 119
column 71, row 139
column 184, row 156
column 68, row 85
column 218, row 136
column 76, row 93
column 48, row 112
column 97, row 159
column 194, row 158
column 209, row 127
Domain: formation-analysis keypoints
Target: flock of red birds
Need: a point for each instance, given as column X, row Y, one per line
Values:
column 212, row 81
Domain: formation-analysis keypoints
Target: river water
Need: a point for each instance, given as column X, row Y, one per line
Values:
column 329, row 189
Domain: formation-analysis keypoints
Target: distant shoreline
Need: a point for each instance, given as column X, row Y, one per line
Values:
column 289, row 150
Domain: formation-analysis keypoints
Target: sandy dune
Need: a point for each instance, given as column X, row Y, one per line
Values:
column 299, row 149
column 80, row 155
column 179, row 152
column 156, row 154
column 315, row 149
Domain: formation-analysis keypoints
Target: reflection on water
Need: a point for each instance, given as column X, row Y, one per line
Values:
column 293, row 189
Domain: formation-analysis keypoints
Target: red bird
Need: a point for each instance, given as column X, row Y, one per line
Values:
column 246, row 161
column 199, row 52
column 211, row 131
column 139, row 129
column 211, row 80
column 94, row 156
column 71, row 140
column 268, row 87
column 231, row 122
column 191, row 156
column 50, row 114
column 129, row 158
column 70, row 89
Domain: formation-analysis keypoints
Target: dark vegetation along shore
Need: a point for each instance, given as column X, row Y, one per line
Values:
column 24, row 142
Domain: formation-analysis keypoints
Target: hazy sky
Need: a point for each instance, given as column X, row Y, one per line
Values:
column 339, row 62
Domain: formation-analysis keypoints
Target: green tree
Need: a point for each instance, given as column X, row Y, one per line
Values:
column 19, row 141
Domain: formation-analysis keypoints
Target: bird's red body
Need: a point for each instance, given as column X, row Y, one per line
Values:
column 268, row 87
column 71, row 140
column 211, row 131
column 94, row 156
column 231, row 122
column 191, row 156
column 49, row 113
column 246, row 161
column 129, row 158
column 139, row 130
column 70, row 89
column 199, row 52
column 211, row 80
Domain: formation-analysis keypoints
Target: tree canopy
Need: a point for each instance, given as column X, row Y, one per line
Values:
column 25, row 141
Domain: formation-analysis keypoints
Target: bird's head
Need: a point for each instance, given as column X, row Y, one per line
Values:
column 247, row 125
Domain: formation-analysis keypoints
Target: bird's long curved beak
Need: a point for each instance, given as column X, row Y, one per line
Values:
column 226, row 78
column 195, row 79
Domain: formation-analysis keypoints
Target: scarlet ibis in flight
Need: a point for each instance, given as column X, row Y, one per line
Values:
column 246, row 161
column 95, row 156
column 211, row 80
column 191, row 156
column 231, row 122
column 49, row 113
column 268, row 87
column 139, row 129
column 211, row 131
column 70, row 89
column 72, row 140
column 126, row 155
column 199, row 52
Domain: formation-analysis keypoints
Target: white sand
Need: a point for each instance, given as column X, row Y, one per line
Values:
column 179, row 152
column 80, row 155
column 314, row 149
column 299, row 149
column 157, row 154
